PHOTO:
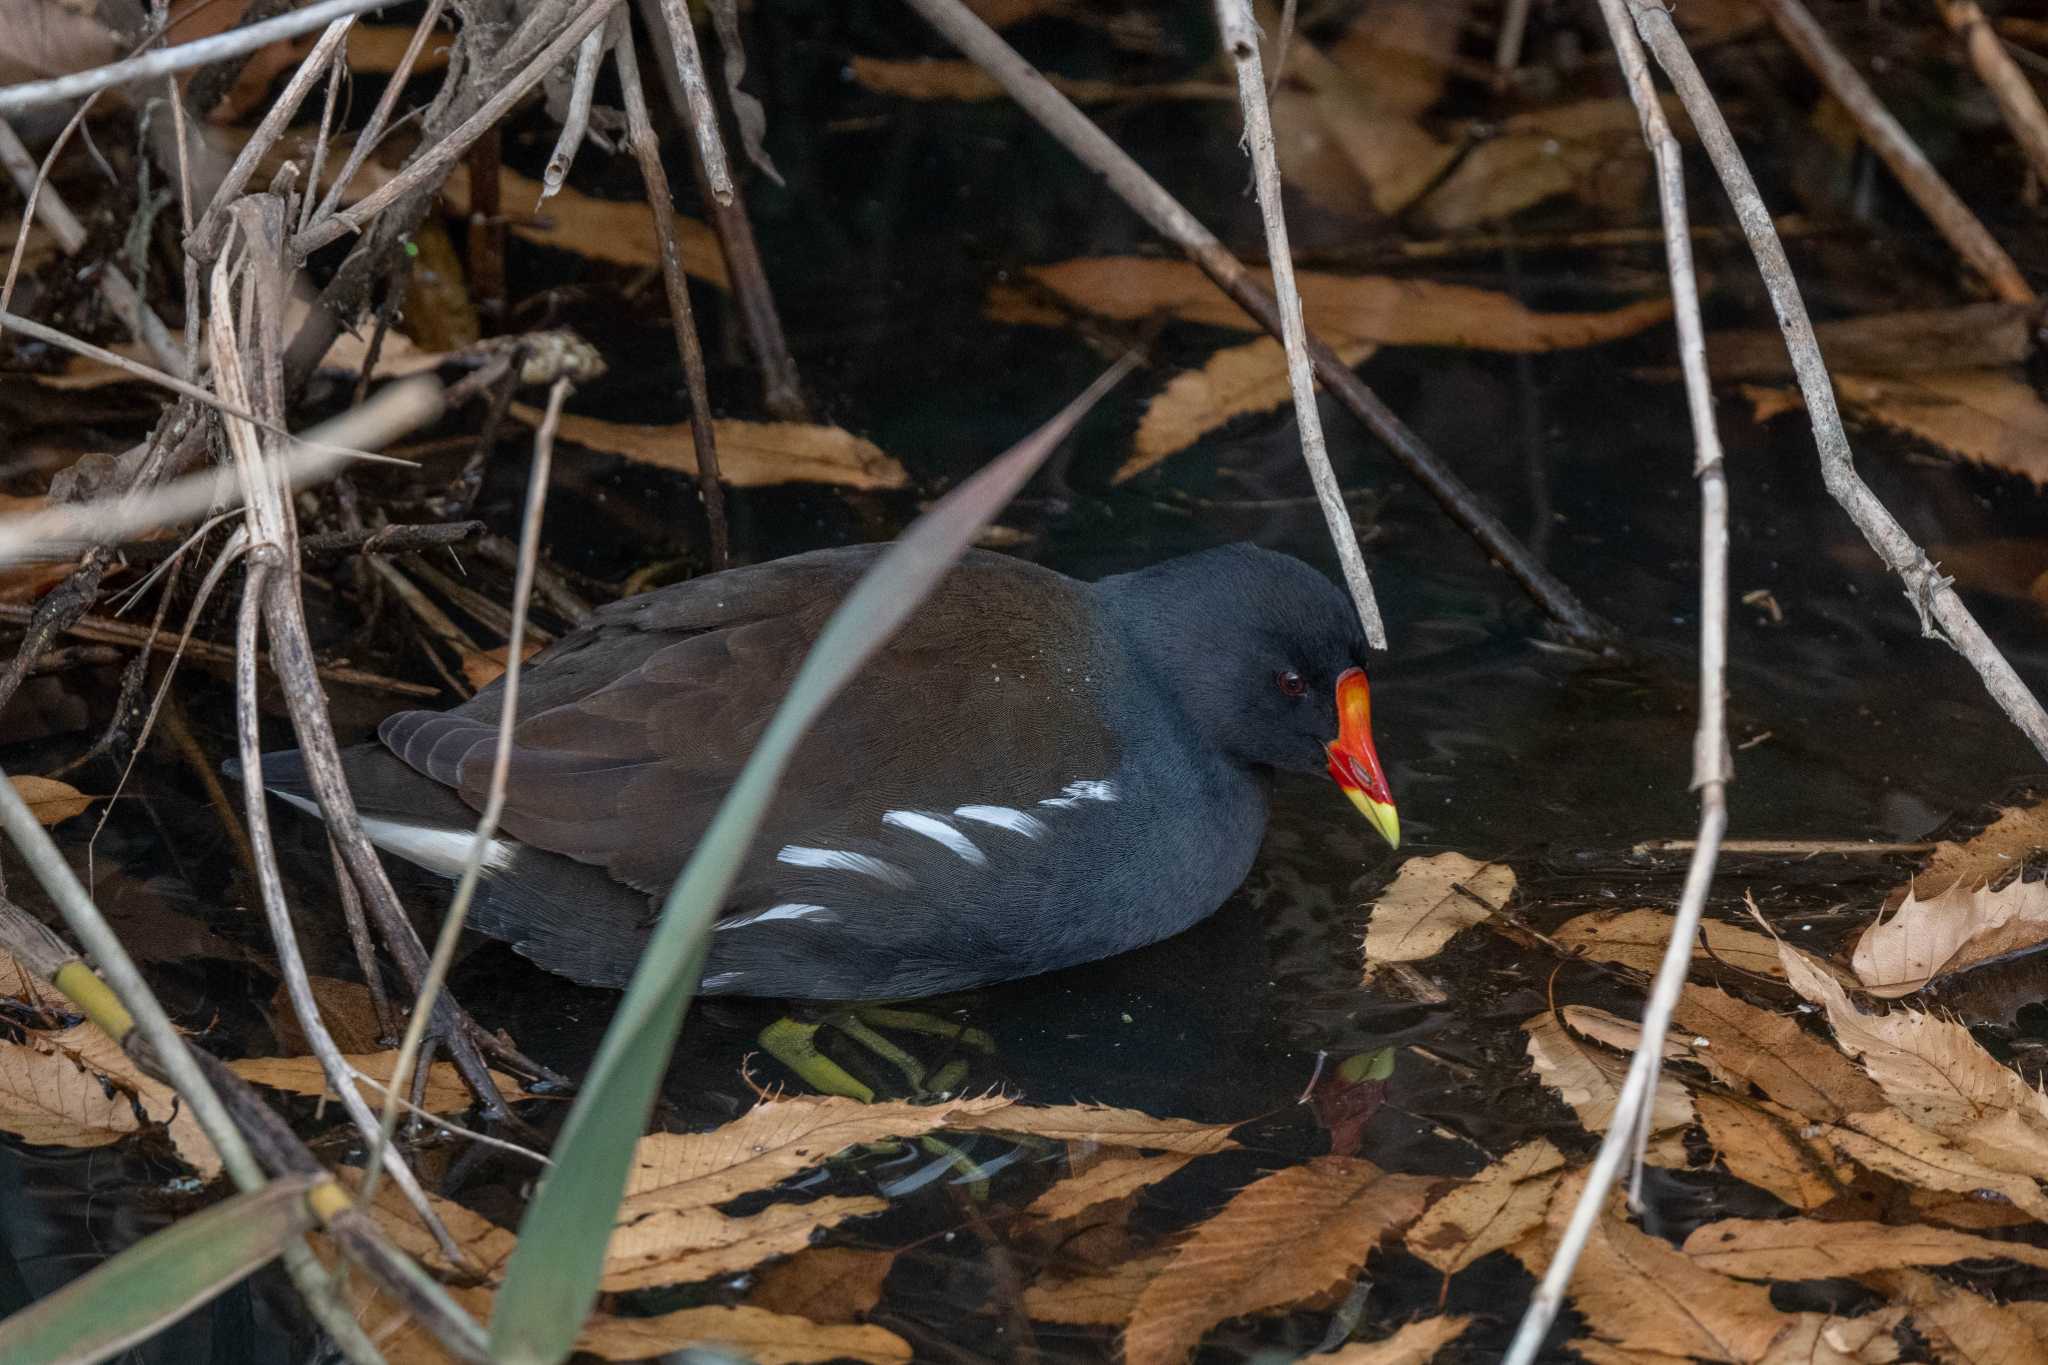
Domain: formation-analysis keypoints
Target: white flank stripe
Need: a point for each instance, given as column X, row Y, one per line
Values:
column 1093, row 789
column 720, row 981
column 786, row 910
column 1004, row 817
column 932, row 827
column 840, row 860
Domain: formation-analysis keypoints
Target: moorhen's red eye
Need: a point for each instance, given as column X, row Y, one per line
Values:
column 1290, row 682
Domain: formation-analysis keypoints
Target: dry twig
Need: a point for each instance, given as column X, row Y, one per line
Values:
column 2003, row 77
column 1628, row 1130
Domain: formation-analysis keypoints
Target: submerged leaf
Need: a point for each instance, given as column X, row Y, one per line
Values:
column 1636, row 938
column 445, row 1092
column 824, row 1284
column 749, row 1333
column 1106, row 1299
column 52, row 802
column 1097, row 1123
column 1429, row 901
column 1112, row 1176
column 1988, row 417
column 1235, row 381
column 750, row 454
column 1289, row 1237
column 1342, row 308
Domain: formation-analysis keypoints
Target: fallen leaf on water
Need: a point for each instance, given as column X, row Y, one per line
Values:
column 1414, row 1344
column 1988, row 858
column 658, row 1243
column 50, row 801
column 1428, row 902
column 1775, row 1053
column 1888, row 1142
column 1235, row 381
column 19, row 983
column 749, row 1333
column 1097, row 1123
column 750, row 454
column 1492, row 1210
column 1111, row 1175
column 1988, row 417
column 1933, row 1071
column 1643, row 1299
column 1950, row 931
column 1636, row 938
column 1813, row 1249
column 1289, row 1237
column 1106, row 1299
column 1589, row 1079
column 1343, row 308
column 824, row 1284
column 445, row 1092
column 1962, row 1327
column 1764, row 1145
column 74, row 1089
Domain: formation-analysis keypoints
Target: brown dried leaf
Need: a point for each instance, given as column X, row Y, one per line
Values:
column 1372, row 308
column 345, row 1007
column 1963, row 1328
column 1936, row 1073
column 1774, row 1053
column 1428, row 902
column 824, row 1284
column 1115, row 1175
column 1492, row 1210
column 1812, row 1249
column 1414, row 1344
column 1291, row 1236
column 654, row 1246
column 375, row 49
column 482, row 667
column 54, row 1090
column 1761, row 1143
column 2008, row 841
column 1233, row 382
column 1949, row 931
column 749, row 1333
column 1636, row 938
column 50, row 801
column 1888, row 1142
column 1989, row 417
column 1098, row 1123
column 750, row 454
column 1639, row 1293
column 19, row 983
column 445, row 1092
column 1102, row 1300
column 1590, row 1079
column 45, row 40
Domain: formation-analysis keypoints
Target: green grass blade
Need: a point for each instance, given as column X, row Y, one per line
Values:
column 160, row 1279
column 552, row 1278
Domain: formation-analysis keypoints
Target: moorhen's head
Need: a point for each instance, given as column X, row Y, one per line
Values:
column 1266, row 657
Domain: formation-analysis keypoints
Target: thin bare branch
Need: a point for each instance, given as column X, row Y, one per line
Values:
column 2003, row 77
column 1950, row 215
column 183, row 56
column 576, row 122
column 703, row 114
column 1241, row 42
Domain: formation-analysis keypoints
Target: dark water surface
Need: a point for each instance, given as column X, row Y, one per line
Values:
column 1499, row 743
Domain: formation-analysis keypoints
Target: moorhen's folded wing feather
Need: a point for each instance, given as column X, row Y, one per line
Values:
column 633, row 727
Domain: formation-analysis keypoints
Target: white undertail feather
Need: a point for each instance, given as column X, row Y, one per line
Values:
column 436, row 848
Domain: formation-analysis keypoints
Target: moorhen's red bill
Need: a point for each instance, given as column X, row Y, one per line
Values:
column 1035, row 772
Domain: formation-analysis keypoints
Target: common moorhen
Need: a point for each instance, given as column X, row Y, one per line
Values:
column 1035, row 772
